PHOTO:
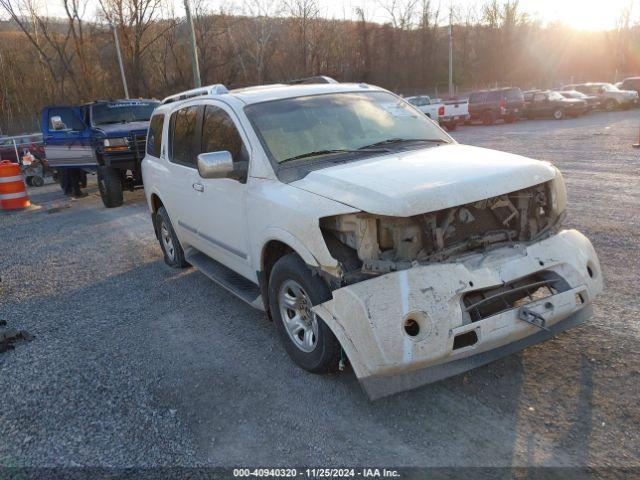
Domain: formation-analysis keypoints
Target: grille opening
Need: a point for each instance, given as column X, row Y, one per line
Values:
column 465, row 340
column 481, row 304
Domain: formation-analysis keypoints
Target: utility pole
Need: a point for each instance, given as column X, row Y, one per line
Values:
column 194, row 48
column 451, row 92
column 124, row 78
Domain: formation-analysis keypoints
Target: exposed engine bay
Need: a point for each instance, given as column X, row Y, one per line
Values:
column 366, row 245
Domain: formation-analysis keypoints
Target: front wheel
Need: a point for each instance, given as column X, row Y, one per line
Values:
column 293, row 291
column 169, row 243
column 558, row 114
column 110, row 185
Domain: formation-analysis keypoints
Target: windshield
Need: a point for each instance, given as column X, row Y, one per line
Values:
column 124, row 112
column 337, row 123
column 607, row 87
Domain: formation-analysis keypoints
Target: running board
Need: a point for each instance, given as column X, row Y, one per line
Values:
column 225, row 277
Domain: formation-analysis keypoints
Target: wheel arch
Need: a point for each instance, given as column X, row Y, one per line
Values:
column 274, row 248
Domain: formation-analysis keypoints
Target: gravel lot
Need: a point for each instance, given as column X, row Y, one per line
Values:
column 136, row 364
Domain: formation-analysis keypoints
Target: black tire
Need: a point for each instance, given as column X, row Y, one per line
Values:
column 487, row 118
column 325, row 356
column 37, row 181
column 451, row 126
column 29, row 181
column 610, row 105
column 509, row 119
column 171, row 248
column 558, row 114
column 110, row 185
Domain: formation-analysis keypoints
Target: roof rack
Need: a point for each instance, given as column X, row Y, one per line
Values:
column 216, row 89
column 316, row 79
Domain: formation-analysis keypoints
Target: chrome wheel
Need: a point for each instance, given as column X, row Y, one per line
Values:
column 167, row 242
column 299, row 321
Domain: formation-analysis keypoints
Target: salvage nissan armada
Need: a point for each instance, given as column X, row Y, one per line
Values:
column 365, row 231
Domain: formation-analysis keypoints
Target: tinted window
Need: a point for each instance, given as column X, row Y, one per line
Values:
column 122, row 112
column 220, row 133
column 183, row 130
column 61, row 119
column 514, row 95
column 494, row 96
column 154, row 137
column 477, row 97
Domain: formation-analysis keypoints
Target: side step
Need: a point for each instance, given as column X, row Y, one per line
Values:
column 225, row 277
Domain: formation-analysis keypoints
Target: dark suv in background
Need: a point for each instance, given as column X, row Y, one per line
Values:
column 488, row 106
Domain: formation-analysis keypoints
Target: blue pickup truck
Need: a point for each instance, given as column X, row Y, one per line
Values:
column 107, row 136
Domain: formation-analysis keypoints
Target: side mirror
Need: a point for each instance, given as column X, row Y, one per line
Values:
column 215, row 164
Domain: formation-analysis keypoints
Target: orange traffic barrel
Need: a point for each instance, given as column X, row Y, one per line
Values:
column 13, row 193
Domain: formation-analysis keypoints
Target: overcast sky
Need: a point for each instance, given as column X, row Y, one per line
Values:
column 581, row 14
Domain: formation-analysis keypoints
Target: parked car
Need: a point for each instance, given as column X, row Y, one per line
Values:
column 611, row 98
column 449, row 114
column 593, row 102
column 551, row 104
column 365, row 231
column 488, row 106
column 107, row 136
column 22, row 144
column 631, row 83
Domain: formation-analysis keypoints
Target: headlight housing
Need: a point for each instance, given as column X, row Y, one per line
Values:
column 558, row 192
column 116, row 142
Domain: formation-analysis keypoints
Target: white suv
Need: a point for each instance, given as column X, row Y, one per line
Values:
column 364, row 231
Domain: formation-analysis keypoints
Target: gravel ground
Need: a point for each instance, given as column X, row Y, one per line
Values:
column 136, row 364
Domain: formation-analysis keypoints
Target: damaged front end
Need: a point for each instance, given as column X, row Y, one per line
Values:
column 425, row 297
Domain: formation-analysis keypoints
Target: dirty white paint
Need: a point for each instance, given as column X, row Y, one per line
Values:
column 404, row 295
column 383, row 350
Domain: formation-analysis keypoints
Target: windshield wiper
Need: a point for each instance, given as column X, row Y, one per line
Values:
column 390, row 141
column 318, row 153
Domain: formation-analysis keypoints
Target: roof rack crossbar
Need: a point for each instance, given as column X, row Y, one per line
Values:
column 216, row 89
column 308, row 80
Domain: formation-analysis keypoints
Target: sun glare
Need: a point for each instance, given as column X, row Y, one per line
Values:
column 578, row 14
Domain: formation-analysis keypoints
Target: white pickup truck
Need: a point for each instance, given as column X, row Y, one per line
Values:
column 366, row 233
column 448, row 114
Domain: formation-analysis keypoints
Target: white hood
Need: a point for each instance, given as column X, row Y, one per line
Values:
column 426, row 180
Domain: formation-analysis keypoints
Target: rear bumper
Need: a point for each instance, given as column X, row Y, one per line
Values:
column 368, row 318
column 457, row 119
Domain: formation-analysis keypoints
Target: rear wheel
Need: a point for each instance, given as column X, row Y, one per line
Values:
column 451, row 126
column 293, row 291
column 558, row 114
column 110, row 185
column 169, row 243
column 610, row 105
column 487, row 118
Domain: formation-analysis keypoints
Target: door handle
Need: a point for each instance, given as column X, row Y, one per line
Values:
column 198, row 187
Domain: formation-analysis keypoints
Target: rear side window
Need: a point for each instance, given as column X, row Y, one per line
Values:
column 494, row 96
column 477, row 97
column 183, row 131
column 154, row 137
column 220, row 133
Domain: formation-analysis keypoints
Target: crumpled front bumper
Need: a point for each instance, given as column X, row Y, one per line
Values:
column 368, row 317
